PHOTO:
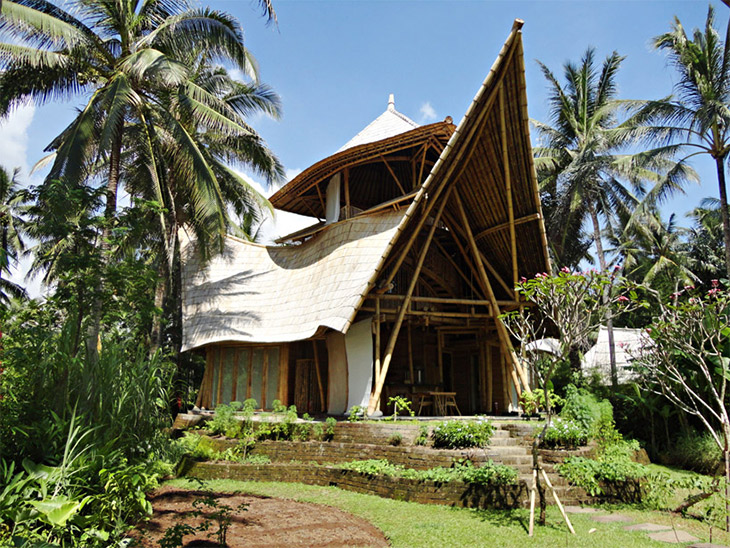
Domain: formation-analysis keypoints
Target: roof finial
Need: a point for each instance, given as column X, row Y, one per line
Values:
column 391, row 102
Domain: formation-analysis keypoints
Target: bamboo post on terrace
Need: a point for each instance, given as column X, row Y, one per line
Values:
column 533, row 489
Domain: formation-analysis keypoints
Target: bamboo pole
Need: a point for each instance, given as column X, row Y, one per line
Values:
column 456, row 267
column 319, row 375
column 375, row 397
column 236, row 357
column 501, row 329
column 557, row 501
column 434, row 300
column 395, row 177
column 505, row 383
column 440, row 355
column 377, row 340
column 533, row 489
column 433, row 314
column 410, row 354
column 502, row 226
column 490, row 380
column 508, row 184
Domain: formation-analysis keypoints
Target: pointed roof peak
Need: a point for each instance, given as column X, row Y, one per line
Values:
column 388, row 124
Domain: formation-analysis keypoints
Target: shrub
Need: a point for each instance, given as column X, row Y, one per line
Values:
column 460, row 434
column 534, row 401
column 487, row 474
column 584, row 408
column 355, row 413
column 422, row 438
column 395, row 440
column 224, row 421
column 565, row 433
column 330, row 423
column 696, row 451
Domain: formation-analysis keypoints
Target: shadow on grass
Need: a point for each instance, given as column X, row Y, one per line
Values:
column 511, row 518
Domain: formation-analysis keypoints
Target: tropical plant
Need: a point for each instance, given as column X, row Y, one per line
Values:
column 689, row 362
column 129, row 58
column 699, row 117
column 11, row 231
column 583, row 166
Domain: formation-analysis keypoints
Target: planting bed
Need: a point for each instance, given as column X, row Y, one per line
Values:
column 265, row 522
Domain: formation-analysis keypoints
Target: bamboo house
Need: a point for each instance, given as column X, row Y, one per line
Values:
column 421, row 234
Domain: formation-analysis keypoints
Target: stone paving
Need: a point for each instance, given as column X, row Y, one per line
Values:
column 662, row 533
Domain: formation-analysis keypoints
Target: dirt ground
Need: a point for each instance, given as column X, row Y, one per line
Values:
column 266, row 522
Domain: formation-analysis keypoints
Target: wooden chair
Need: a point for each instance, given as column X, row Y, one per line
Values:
column 424, row 401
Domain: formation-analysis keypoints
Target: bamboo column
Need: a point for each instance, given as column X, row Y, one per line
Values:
column 377, row 339
column 410, row 354
column 375, row 396
column 319, row 375
column 501, row 329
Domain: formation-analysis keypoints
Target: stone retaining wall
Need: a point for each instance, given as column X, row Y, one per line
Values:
column 453, row 493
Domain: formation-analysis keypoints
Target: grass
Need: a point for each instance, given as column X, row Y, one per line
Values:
column 408, row 524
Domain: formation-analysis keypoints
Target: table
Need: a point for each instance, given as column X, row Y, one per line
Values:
column 441, row 402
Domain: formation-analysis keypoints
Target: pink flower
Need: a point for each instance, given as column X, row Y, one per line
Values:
column 565, row 269
column 715, row 283
column 623, row 299
column 617, row 267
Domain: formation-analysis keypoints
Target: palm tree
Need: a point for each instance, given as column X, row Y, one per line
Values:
column 124, row 56
column 700, row 116
column 11, row 230
column 582, row 164
column 655, row 253
column 705, row 241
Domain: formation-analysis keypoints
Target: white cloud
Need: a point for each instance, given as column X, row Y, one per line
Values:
column 428, row 113
column 14, row 138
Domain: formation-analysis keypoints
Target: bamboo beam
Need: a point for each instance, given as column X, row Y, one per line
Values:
column 375, row 397
column 453, row 263
column 321, row 199
column 508, row 184
column 434, row 300
column 503, row 226
column 455, row 230
column 433, row 313
column 320, row 385
column 501, row 329
column 395, row 177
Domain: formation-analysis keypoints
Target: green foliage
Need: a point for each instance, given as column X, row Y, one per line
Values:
column 534, row 401
column 330, row 423
column 224, row 421
column 400, row 404
column 568, row 434
column 395, row 440
column 487, row 474
column 355, row 413
column 696, row 451
column 583, row 408
column 422, row 438
column 460, row 434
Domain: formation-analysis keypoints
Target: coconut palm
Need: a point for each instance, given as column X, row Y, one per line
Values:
column 654, row 252
column 124, row 56
column 700, row 115
column 11, row 230
column 583, row 165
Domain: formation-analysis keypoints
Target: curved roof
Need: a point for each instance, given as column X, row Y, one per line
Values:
column 253, row 293
column 288, row 197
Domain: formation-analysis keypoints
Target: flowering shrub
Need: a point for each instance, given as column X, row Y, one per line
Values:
column 566, row 433
column 460, row 434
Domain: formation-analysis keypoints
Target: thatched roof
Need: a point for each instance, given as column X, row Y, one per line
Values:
column 253, row 293
column 628, row 344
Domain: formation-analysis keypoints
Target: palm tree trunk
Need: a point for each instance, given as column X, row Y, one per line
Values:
column 606, row 293
column 720, row 165
column 110, row 210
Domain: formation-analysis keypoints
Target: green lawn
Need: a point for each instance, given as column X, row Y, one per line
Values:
column 408, row 524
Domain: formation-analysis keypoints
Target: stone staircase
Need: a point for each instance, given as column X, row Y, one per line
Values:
column 510, row 445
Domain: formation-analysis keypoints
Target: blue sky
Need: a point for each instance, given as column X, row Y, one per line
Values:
column 335, row 62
